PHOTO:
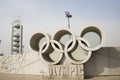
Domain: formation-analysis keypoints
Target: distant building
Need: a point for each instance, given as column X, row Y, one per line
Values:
column 17, row 38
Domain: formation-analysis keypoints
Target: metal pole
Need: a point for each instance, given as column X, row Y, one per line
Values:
column 68, row 22
column 68, row 15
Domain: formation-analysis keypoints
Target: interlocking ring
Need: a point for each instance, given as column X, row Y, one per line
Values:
column 76, row 50
column 64, row 43
column 63, row 34
column 92, row 34
column 38, row 39
column 46, row 56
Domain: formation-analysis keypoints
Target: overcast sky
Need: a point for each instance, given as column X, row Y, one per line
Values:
column 49, row 15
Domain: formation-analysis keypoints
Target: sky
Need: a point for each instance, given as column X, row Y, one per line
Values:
column 49, row 15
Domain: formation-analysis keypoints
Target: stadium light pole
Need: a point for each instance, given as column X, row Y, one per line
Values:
column 68, row 15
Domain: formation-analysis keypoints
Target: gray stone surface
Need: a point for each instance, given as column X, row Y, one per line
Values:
column 105, row 61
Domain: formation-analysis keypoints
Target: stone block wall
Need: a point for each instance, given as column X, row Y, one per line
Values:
column 105, row 61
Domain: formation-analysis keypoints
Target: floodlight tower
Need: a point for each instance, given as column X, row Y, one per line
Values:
column 68, row 15
column 17, row 37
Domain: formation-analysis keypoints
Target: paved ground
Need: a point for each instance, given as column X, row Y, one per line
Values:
column 33, row 77
column 104, row 78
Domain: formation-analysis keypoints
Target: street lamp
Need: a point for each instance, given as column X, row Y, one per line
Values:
column 68, row 15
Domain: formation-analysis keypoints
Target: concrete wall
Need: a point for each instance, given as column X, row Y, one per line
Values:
column 105, row 61
column 104, row 64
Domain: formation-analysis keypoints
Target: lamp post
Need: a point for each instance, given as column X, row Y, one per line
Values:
column 68, row 15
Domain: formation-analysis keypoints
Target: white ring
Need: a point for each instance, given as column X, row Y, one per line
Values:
column 96, row 30
column 77, row 61
column 35, row 39
column 62, row 32
column 58, row 44
column 60, row 51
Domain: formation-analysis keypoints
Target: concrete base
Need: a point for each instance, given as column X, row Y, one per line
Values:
column 104, row 64
column 7, row 76
column 36, row 77
column 105, row 61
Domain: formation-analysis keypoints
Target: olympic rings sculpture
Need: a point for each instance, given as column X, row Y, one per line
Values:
column 64, row 44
